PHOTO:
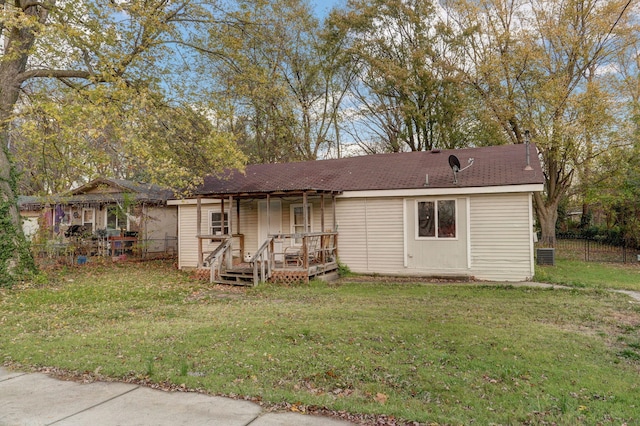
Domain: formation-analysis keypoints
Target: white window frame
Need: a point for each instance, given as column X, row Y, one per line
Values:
column 106, row 218
column 224, row 226
column 435, row 202
column 292, row 219
column 93, row 218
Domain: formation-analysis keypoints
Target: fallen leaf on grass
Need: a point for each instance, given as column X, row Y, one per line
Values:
column 381, row 398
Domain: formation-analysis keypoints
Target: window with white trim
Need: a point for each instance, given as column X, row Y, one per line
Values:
column 297, row 220
column 89, row 218
column 216, row 224
column 436, row 219
column 115, row 219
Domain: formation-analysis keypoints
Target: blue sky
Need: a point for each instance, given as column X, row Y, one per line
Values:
column 322, row 7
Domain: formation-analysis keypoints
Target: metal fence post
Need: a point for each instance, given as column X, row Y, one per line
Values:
column 586, row 252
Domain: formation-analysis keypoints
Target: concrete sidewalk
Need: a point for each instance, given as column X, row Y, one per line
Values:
column 37, row 399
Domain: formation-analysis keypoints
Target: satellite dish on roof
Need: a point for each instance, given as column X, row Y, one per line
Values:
column 454, row 163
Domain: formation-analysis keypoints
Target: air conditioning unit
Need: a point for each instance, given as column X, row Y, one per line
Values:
column 546, row 256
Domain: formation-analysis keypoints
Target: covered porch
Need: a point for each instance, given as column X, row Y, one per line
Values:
column 247, row 238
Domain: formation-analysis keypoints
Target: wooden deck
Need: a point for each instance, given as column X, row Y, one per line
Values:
column 243, row 273
column 303, row 257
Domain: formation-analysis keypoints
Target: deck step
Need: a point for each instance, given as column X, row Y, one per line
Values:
column 225, row 276
column 242, row 271
column 233, row 282
column 236, row 276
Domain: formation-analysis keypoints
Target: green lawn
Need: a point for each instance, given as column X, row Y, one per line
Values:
column 591, row 274
column 421, row 352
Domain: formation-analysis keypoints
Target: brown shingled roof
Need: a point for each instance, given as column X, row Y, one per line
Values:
column 493, row 166
column 137, row 191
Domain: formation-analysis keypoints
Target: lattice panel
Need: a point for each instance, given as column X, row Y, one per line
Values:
column 202, row 274
column 290, row 277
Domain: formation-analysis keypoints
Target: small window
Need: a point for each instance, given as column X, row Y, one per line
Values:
column 437, row 219
column 426, row 219
column 115, row 218
column 446, row 219
column 216, row 225
column 297, row 221
column 89, row 218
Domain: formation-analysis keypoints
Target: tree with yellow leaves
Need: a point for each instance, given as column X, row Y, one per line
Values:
column 113, row 54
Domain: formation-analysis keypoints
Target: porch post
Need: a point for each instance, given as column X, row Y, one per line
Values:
column 230, row 224
column 305, row 212
column 322, row 237
column 230, row 215
column 238, row 216
column 305, row 240
column 322, row 212
column 333, row 206
column 199, row 229
column 241, row 238
column 221, row 215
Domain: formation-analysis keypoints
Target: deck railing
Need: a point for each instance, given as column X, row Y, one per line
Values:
column 263, row 262
column 300, row 251
column 293, row 252
column 306, row 254
column 219, row 259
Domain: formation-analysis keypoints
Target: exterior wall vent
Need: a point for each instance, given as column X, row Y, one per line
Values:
column 546, row 256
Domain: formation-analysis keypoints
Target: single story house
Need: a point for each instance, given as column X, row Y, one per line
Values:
column 106, row 208
column 448, row 213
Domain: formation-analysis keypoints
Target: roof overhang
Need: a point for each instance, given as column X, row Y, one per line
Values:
column 426, row 191
column 86, row 200
column 264, row 193
column 192, row 201
column 410, row 192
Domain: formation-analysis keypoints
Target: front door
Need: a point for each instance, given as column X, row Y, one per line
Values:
column 275, row 227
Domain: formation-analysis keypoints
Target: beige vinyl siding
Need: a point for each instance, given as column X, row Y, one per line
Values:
column 188, row 229
column 371, row 234
column 187, row 242
column 437, row 256
column 501, row 237
column 352, row 234
column 161, row 223
column 248, row 224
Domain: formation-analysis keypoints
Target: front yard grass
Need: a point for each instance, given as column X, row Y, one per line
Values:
column 433, row 353
column 576, row 273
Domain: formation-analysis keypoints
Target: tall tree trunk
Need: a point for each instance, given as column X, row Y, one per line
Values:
column 557, row 181
column 15, row 257
column 547, row 214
